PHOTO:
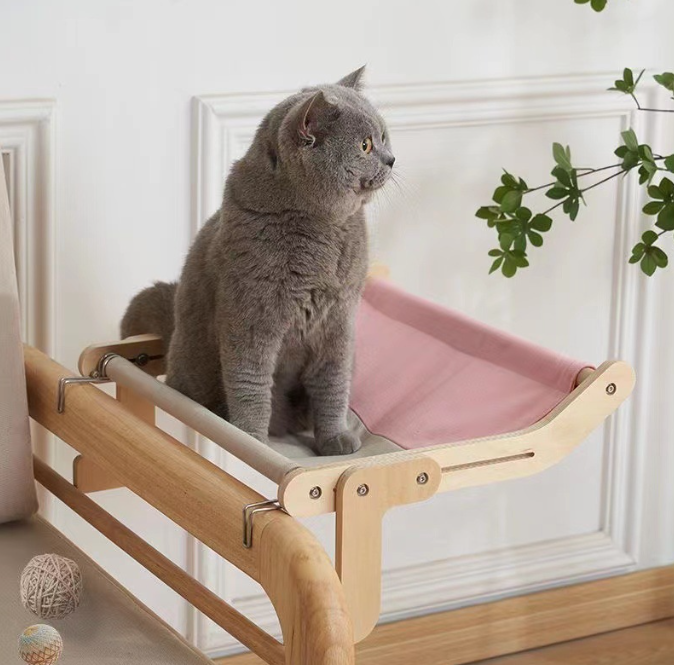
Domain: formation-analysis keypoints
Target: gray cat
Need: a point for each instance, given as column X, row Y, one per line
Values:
column 261, row 324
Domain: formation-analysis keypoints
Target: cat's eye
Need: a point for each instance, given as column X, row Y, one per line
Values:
column 366, row 145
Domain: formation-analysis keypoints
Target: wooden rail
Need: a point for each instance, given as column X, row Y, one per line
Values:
column 175, row 577
column 285, row 558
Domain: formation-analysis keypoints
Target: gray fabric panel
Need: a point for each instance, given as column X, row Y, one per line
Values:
column 110, row 627
column 300, row 448
column 17, row 488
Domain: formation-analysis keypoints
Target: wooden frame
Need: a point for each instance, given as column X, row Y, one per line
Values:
column 285, row 558
column 360, row 491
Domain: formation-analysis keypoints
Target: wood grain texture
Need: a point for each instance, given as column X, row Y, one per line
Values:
column 517, row 624
column 193, row 492
column 304, row 588
column 285, row 557
column 650, row 644
column 87, row 475
column 358, row 548
column 175, row 577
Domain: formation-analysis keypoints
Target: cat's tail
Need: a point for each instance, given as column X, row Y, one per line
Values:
column 151, row 311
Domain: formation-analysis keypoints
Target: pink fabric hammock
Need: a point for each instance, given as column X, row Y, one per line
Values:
column 425, row 375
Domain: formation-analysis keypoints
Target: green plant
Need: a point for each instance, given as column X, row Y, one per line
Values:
column 597, row 5
column 519, row 229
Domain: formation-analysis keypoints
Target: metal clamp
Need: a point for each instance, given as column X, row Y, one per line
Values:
column 249, row 512
column 99, row 375
column 66, row 381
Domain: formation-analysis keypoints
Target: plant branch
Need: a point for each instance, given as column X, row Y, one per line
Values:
column 649, row 110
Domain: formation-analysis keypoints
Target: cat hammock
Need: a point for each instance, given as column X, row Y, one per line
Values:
column 439, row 401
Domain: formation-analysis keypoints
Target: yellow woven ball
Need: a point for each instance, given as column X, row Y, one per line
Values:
column 40, row 645
column 51, row 586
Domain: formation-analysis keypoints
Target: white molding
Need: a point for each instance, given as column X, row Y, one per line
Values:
column 27, row 137
column 224, row 123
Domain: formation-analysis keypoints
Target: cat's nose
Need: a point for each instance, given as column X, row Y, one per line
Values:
column 391, row 161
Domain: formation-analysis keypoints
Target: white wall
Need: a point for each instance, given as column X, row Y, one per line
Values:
column 100, row 104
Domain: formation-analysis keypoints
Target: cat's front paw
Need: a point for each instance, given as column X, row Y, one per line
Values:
column 344, row 443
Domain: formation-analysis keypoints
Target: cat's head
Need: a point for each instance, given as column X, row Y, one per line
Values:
column 333, row 141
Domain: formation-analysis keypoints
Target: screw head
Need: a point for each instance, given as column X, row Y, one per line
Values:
column 363, row 490
column 422, row 478
column 611, row 389
column 142, row 359
column 315, row 492
column 95, row 374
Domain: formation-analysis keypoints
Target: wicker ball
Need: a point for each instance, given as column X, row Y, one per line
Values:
column 40, row 645
column 51, row 586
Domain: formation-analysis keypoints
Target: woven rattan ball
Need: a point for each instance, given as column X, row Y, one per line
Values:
column 51, row 586
column 40, row 645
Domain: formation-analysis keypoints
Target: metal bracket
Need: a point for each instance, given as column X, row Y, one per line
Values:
column 99, row 375
column 249, row 513
column 66, row 381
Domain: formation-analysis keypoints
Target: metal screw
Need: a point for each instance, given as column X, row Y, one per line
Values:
column 422, row 478
column 315, row 492
column 363, row 490
column 95, row 374
column 142, row 359
column 611, row 388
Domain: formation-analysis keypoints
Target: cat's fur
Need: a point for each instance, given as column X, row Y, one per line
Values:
column 265, row 306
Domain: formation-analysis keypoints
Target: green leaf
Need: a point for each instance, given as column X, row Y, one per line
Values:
column 655, row 192
column 631, row 140
column 654, row 207
column 496, row 265
column 660, row 257
column 499, row 193
column 648, row 264
column 557, row 193
column 519, row 258
column 562, row 156
column 509, row 268
column 563, row 176
column 536, row 239
column 541, row 223
column 666, row 80
column 637, row 252
column 666, row 218
column 598, row 5
column 667, row 187
column 509, row 181
column 631, row 160
column 669, row 163
column 487, row 212
column 649, row 237
column 645, row 152
column 511, row 201
column 628, row 77
column 621, row 151
column 505, row 241
column 574, row 207
column 524, row 214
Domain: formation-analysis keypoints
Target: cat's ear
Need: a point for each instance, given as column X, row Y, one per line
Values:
column 354, row 79
column 314, row 117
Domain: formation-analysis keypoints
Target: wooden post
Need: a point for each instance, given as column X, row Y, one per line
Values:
column 363, row 496
column 87, row 475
